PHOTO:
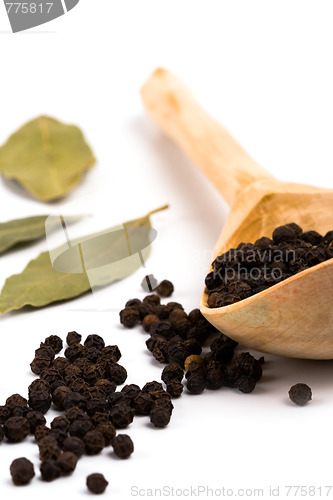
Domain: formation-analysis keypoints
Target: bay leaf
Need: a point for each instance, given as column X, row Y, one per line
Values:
column 47, row 157
column 90, row 261
column 26, row 230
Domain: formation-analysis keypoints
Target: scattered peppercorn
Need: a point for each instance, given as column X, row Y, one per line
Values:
column 96, row 483
column 160, row 416
column 94, row 442
column 129, row 317
column 148, row 321
column 83, row 384
column 165, row 288
column 73, row 444
column 175, row 388
column 22, row 471
column 67, row 462
column 40, row 401
column 73, row 338
column 16, row 429
column 54, row 342
column 123, row 446
column 49, row 470
column 300, row 394
column 121, row 415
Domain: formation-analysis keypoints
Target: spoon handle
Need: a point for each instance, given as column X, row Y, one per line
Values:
column 171, row 105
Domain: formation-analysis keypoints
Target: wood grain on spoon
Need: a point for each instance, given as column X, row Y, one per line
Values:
column 295, row 317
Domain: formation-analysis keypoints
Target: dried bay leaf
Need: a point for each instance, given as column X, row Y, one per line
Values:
column 47, row 157
column 26, row 229
column 88, row 262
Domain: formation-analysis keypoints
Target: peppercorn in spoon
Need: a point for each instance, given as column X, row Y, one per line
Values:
column 294, row 317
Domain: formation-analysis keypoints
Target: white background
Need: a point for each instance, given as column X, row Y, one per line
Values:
column 264, row 70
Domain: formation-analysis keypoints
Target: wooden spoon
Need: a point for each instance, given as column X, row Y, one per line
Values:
column 294, row 317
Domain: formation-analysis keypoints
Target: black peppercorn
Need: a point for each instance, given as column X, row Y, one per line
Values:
column 5, row 413
column 246, row 364
column 145, row 308
column 108, row 430
column 92, row 354
column 165, row 288
column 95, row 405
column 15, row 400
column 159, row 416
column 245, row 383
column 59, row 435
column 106, row 386
column 121, row 415
column 35, row 419
column 54, row 342
column 79, row 428
column 196, row 384
column 67, row 462
column 59, row 395
column 160, row 350
column 152, row 299
column 94, row 341
column 300, row 394
column 162, row 328
column 116, row 398
column 73, row 338
column 129, row 317
column 96, row 483
column 60, row 363
column 74, row 352
column 40, row 401
column 175, row 388
column 123, row 446
column 45, row 352
column 49, row 470
column 41, row 431
column 215, row 375
column 148, row 321
column 133, row 303
column 111, row 353
column 74, row 399
column 61, row 423
column 131, row 391
column 94, row 442
column 50, row 375
column 116, row 373
column 172, row 371
column 74, row 444
column 22, row 471
column 100, row 418
column 16, row 429
column 143, row 403
column 152, row 386
column 39, row 364
column 48, row 448
column 38, row 385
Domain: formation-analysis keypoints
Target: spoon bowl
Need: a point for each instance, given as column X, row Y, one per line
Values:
column 294, row 317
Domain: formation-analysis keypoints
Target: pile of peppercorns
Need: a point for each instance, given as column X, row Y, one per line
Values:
column 81, row 384
column 251, row 268
column 177, row 338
